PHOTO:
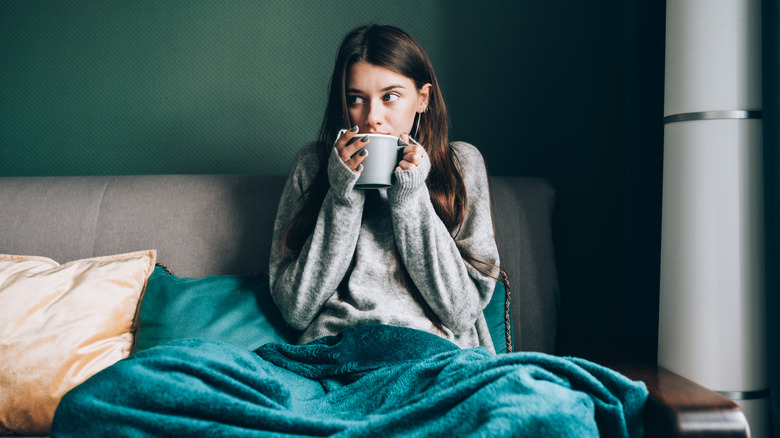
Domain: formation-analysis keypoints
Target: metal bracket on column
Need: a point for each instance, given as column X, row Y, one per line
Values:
column 713, row 115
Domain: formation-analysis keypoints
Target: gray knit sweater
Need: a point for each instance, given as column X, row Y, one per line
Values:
column 350, row 270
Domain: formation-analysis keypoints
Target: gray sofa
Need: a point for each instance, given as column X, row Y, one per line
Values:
column 221, row 224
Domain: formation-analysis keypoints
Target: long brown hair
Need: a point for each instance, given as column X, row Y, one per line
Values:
column 396, row 50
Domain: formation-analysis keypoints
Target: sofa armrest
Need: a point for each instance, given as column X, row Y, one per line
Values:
column 678, row 407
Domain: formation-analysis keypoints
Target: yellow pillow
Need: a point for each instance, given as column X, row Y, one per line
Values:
column 59, row 325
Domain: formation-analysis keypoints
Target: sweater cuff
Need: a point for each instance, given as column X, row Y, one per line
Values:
column 342, row 179
column 408, row 182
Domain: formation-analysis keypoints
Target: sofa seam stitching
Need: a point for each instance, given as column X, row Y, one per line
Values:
column 99, row 212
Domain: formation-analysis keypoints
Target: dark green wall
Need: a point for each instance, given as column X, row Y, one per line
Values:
column 571, row 91
column 116, row 87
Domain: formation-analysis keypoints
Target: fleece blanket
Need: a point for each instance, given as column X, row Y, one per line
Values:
column 371, row 380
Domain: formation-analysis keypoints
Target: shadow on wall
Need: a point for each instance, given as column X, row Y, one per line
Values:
column 574, row 93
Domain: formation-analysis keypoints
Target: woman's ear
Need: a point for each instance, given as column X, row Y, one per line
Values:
column 424, row 97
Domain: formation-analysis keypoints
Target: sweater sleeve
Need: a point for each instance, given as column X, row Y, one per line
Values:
column 456, row 291
column 302, row 283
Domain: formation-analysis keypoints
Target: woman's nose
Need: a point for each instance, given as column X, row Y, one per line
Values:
column 374, row 117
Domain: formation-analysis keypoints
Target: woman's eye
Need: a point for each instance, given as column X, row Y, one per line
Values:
column 354, row 99
column 390, row 97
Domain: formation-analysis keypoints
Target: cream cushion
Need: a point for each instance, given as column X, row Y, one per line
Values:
column 59, row 325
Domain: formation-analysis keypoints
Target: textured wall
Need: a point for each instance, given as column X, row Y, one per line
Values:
column 107, row 87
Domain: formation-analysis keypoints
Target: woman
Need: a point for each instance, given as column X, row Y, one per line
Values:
column 420, row 254
column 379, row 270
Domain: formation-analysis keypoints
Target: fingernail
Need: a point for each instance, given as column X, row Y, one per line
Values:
column 354, row 128
column 351, row 140
column 402, row 143
column 364, row 139
column 359, row 168
column 363, row 152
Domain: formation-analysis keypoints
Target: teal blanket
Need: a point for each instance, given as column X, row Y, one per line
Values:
column 371, row 380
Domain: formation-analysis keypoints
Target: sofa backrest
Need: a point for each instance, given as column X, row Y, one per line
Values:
column 222, row 224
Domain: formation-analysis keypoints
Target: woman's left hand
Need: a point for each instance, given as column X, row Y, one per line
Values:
column 413, row 154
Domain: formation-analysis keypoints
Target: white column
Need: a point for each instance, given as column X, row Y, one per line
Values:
column 712, row 321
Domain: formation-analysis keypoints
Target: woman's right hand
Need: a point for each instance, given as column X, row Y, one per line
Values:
column 351, row 149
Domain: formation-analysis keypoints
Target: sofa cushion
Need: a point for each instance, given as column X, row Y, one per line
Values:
column 237, row 309
column 59, row 325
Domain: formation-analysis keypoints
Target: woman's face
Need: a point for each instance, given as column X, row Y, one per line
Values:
column 381, row 101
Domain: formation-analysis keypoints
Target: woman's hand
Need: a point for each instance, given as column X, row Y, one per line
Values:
column 350, row 149
column 413, row 154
